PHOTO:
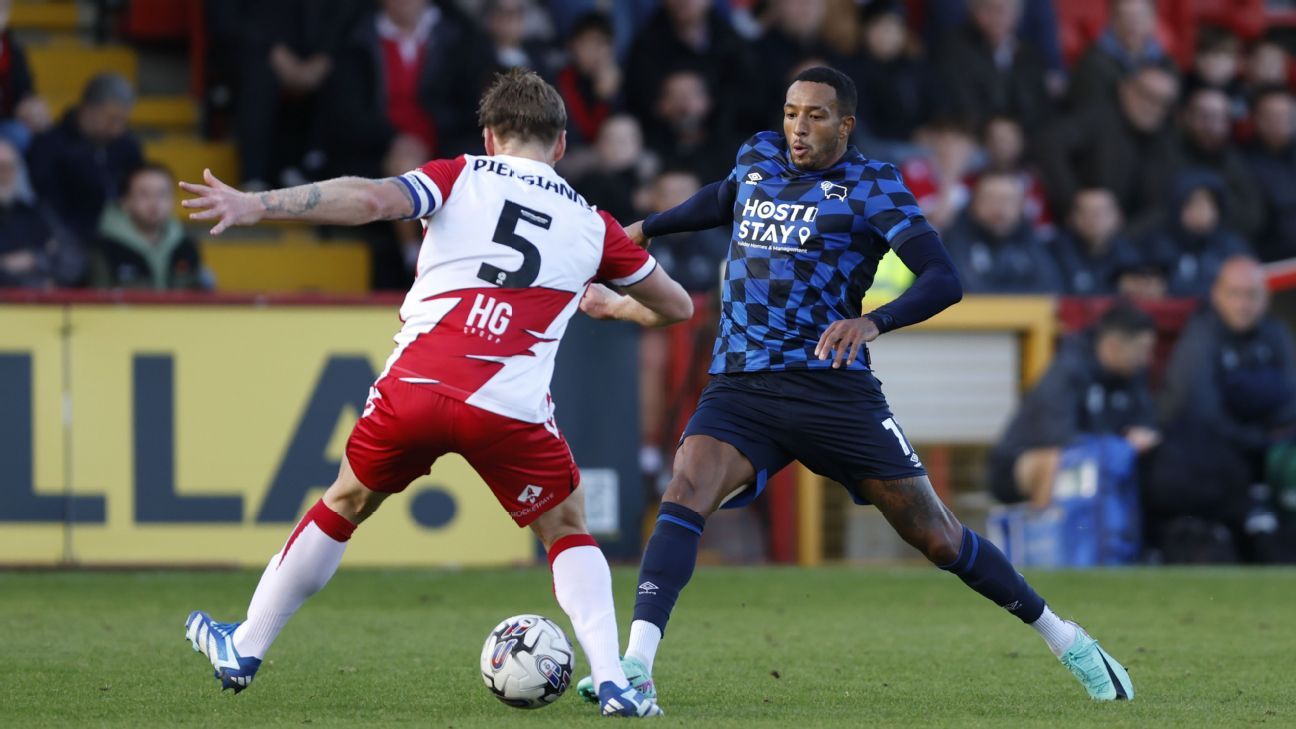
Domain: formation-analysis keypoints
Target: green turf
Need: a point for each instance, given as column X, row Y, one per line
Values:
column 749, row 647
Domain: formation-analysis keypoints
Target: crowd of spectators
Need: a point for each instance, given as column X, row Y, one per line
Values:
column 1015, row 155
column 79, row 204
column 1121, row 171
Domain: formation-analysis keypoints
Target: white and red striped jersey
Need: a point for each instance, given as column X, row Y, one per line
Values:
column 508, row 250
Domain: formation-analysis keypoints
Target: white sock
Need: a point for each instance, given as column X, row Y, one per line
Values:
column 1055, row 631
column 304, row 565
column 644, row 637
column 583, row 585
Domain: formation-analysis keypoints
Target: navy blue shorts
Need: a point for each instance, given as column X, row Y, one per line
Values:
column 835, row 422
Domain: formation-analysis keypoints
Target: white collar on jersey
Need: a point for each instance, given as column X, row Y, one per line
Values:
column 408, row 43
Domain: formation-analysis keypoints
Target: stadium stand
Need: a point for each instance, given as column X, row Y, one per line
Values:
column 649, row 98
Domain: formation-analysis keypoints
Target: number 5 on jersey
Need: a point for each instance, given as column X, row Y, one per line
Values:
column 506, row 234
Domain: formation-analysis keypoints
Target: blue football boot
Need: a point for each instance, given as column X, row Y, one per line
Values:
column 625, row 701
column 216, row 641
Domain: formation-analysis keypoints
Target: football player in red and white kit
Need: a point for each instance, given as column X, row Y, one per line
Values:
column 508, row 255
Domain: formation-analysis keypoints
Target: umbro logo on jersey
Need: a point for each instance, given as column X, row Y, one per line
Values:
column 832, row 190
column 754, row 177
column 647, row 588
column 529, row 494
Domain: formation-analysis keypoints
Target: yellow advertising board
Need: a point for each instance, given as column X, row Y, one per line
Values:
column 135, row 434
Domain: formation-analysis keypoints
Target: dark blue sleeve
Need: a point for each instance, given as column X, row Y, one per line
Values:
column 935, row 289
column 710, row 207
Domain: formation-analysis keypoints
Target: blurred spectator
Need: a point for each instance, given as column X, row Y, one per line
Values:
column 792, row 34
column 1192, row 241
column 894, row 82
column 1267, row 65
column 1142, row 279
column 80, row 164
column 590, row 83
column 393, row 95
column 22, row 113
column 685, row 132
column 1128, row 44
column 1208, row 144
column 692, row 35
column 672, row 360
column 142, row 244
column 1126, row 148
column 1091, row 251
column 1216, row 64
column 937, row 177
column 1039, row 22
column 618, row 170
column 1230, row 394
column 994, row 247
column 506, row 29
column 32, row 252
column 287, row 52
column 1095, row 386
column 693, row 259
column 1004, row 142
column 1271, row 158
column 986, row 69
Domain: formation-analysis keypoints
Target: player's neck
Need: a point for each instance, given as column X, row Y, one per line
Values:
column 525, row 151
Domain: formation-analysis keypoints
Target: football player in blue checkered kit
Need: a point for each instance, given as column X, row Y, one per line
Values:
column 790, row 376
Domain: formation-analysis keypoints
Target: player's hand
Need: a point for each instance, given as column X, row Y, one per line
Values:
column 1142, row 439
column 845, row 337
column 600, row 302
column 635, row 232
column 218, row 201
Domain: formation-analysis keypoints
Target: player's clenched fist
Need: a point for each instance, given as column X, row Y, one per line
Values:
column 845, row 337
column 218, row 201
column 600, row 302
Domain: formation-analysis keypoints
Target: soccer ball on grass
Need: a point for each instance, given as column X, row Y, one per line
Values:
column 527, row 661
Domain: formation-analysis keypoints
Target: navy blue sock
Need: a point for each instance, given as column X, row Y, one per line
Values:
column 668, row 563
column 985, row 569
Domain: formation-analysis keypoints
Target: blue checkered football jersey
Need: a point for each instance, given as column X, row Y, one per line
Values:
column 805, row 248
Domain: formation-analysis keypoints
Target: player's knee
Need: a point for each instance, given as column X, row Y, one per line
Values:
column 942, row 541
column 689, row 492
column 352, row 500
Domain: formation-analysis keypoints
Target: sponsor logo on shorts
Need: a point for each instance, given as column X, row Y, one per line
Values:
column 531, row 495
column 831, row 190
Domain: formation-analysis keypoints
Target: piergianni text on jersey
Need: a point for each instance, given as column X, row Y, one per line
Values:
column 503, row 170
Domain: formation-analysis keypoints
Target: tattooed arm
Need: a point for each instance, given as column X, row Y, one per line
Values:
column 340, row 201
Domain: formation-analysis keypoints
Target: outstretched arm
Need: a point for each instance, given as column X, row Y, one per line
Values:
column 340, row 201
column 709, row 207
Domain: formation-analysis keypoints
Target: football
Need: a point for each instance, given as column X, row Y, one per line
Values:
column 527, row 661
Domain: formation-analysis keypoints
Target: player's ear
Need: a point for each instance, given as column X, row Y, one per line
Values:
column 847, row 126
column 560, row 147
column 488, row 141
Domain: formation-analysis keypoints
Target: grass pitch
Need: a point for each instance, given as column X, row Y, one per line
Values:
column 768, row 647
